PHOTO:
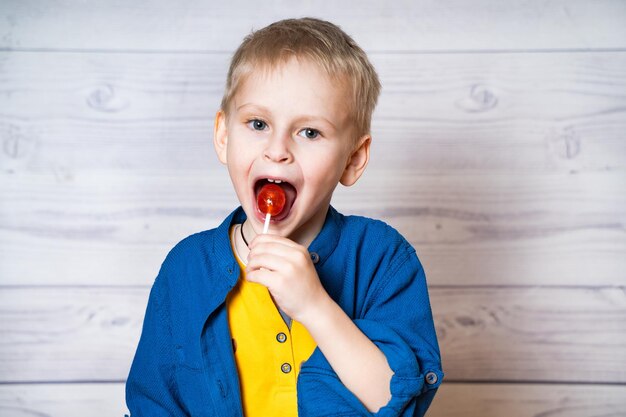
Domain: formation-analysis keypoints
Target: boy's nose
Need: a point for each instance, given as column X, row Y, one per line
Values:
column 277, row 149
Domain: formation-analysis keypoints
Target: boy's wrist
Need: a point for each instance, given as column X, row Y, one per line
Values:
column 319, row 313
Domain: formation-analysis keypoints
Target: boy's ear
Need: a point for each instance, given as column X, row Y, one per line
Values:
column 357, row 162
column 220, row 137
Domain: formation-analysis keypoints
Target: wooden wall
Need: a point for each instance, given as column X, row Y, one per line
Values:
column 500, row 152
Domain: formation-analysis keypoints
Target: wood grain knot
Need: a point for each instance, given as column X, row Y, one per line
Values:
column 105, row 99
column 119, row 321
column 565, row 144
column 467, row 321
column 480, row 99
column 16, row 145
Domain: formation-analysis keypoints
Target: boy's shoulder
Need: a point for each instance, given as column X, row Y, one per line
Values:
column 372, row 228
column 206, row 244
column 198, row 243
column 192, row 267
column 197, row 255
column 375, row 251
column 374, row 235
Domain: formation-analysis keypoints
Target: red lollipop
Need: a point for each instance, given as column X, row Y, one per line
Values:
column 271, row 199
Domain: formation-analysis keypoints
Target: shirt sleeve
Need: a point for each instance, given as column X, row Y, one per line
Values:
column 398, row 319
column 150, row 387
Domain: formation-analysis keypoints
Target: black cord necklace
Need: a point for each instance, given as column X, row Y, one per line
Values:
column 242, row 236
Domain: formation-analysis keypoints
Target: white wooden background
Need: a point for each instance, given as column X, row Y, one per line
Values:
column 500, row 152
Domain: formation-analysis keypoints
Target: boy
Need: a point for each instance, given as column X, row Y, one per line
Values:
column 324, row 315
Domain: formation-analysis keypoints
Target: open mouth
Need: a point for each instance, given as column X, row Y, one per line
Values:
column 290, row 196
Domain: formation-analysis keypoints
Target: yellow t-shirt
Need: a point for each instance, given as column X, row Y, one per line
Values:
column 268, row 353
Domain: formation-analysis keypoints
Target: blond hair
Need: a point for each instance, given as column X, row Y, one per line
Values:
column 319, row 41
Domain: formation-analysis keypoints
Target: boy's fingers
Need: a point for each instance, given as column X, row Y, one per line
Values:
column 282, row 258
column 270, row 248
column 267, row 238
column 267, row 261
column 260, row 276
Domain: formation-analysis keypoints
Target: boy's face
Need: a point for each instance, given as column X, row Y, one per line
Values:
column 290, row 124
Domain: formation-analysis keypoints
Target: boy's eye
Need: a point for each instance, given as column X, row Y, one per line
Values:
column 257, row 124
column 309, row 133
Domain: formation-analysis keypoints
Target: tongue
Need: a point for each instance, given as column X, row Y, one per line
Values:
column 271, row 199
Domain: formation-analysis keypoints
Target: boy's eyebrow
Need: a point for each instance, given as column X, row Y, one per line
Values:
column 252, row 105
column 303, row 117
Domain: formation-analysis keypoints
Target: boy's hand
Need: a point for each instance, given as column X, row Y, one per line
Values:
column 286, row 269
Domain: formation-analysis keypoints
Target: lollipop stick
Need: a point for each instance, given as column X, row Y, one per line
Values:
column 266, row 226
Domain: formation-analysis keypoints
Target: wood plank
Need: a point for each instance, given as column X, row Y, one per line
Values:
column 62, row 400
column 403, row 25
column 69, row 334
column 505, row 229
column 452, row 400
column 550, row 334
column 115, row 229
column 532, row 334
column 437, row 113
column 528, row 400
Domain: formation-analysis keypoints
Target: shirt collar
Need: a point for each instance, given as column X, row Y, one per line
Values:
column 327, row 239
column 223, row 250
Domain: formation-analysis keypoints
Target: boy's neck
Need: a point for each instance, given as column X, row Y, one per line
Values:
column 239, row 242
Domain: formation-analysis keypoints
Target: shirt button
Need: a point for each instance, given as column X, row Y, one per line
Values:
column 281, row 337
column 286, row 368
column 431, row 378
column 315, row 257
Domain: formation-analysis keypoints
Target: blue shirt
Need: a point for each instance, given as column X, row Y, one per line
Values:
column 184, row 364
